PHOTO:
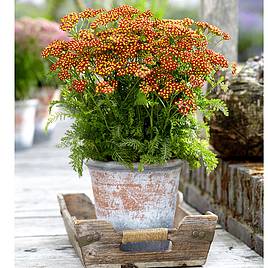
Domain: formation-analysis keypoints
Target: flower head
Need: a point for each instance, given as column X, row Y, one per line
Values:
column 185, row 106
column 106, row 87
column 167, row 57
column 79, row 85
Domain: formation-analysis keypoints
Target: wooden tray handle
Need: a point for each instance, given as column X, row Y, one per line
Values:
column 144, row 235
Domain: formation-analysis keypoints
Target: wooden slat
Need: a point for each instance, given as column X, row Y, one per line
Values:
column 49, row 251
column 187, row 249
column 37, row 213
column 27, row 227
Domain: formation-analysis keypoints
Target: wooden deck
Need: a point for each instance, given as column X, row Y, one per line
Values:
column 41, row 241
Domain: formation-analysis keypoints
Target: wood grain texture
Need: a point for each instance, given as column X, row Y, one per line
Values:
column 55, row 251
column 190, row 239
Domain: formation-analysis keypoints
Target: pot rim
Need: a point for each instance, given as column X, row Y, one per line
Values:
column 26, row 102
column 113, row 165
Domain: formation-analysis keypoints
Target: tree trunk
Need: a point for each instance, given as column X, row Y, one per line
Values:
column 240, row 135
column 224, row 14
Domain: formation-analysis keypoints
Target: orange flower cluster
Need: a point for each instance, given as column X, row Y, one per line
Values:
column 135, row 69
column 168, row 63
column 90, row 13
column 68, row 21
column 167, row 57
column 171, row 87
column 234, row 68
column 113, row 15
column 196, row 81
column 106, row 87
column 54, row 49
column 213, row 29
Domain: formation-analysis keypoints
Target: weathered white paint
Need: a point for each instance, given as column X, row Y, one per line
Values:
column 132, row 199
column 45, row 96
column 24, row 123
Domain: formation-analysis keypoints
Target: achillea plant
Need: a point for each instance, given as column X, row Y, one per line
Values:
column 133, row 86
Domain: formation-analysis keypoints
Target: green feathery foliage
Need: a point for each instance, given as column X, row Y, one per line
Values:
column 128, row 127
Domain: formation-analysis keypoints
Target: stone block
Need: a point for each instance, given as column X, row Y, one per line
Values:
column 240, row 230
column 202, row 177
column 258, row 244
column 194, row 176
column 238, row 194
column 231, row 187
column 247, row 197
column 218, row 182
column 220, row 212
column 224, row 183
column 194, row 197
column 184, row 176
column 252, row 168
column 258, row 204
column 208, row 179
column 212, row 186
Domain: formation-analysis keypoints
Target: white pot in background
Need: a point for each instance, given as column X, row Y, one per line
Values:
column 45, row 96
column 24, row 123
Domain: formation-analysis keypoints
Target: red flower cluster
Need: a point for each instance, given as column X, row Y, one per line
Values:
column 79, row 85
column 168, row 57
column 185, row 106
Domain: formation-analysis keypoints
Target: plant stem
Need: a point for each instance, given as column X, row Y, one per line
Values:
column 151, row 121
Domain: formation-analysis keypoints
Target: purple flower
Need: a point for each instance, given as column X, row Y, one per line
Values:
column 250, row 21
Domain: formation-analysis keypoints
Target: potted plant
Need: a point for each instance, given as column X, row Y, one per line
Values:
column 25, row 103
column 31, row 36
column 133, row 85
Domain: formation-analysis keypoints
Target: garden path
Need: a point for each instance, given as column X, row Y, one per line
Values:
column 41, row 241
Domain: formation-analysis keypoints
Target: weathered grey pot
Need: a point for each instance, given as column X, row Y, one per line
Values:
column 24, row 123
column 132, row 199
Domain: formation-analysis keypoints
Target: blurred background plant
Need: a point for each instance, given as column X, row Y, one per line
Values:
column 31, row 35
column 25, row 78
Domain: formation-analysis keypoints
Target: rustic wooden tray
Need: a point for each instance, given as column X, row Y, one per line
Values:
column 98, row 244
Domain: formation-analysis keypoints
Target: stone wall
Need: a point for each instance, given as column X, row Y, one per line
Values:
column 234, row 191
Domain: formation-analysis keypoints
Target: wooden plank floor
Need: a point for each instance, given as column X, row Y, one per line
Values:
column 41, row 240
